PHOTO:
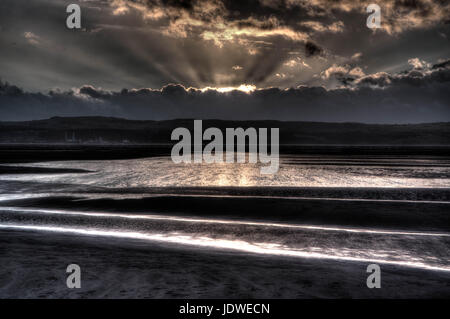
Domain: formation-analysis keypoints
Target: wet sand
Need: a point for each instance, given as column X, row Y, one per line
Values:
column 402, row 215
column 33, row 266
column 39, row 170
column 33, row 262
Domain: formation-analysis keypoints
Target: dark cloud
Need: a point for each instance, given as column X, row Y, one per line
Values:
column 9, row 90
column 312, row 49
column 443, row 64
column 150, row 43
column 309, row 60
column 411, row 97
column 438, row 75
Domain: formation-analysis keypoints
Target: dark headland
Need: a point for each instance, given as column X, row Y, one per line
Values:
column 77, row 138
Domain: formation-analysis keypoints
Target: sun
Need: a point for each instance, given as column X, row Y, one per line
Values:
column 246, row 88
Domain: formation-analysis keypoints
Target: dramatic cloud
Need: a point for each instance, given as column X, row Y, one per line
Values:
column 418, row 64
column 409, row 97
column 150, row 43
column 286, row 59
column 266, row 17
column 31, row 37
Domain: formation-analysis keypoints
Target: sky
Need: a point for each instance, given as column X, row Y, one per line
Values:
column 258, row 59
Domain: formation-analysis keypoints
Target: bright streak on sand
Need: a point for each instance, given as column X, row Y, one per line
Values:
column 256, row 248
column 222, row 221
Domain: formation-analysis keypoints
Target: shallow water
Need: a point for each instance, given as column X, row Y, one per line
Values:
column 296, row 171
column 425, row 250
column 417, row 249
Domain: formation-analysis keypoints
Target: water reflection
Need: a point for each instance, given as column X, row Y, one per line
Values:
column 298, row 171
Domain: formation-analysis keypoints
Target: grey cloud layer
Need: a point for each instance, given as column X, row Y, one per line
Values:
column 143, row 43
column 414, row 96
column 310, row 60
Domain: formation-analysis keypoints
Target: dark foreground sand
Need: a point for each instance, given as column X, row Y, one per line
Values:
column 33, row 266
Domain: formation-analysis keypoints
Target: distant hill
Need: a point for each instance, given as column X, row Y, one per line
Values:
column 105, row 130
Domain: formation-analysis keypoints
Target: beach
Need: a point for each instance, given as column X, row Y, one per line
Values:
column 146, row 228
column 33, row 266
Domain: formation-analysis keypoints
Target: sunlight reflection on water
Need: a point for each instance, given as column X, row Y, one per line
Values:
column 162, row 172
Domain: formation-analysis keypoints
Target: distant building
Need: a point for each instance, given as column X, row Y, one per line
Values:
column 70, row 139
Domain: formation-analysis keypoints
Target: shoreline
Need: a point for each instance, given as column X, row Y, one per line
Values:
column 112, row 235
column 29, row 153
column 387, row 215
column 33, row 266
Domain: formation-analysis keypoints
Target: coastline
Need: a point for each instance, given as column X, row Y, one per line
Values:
column 33, row 266
column 34, row 259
